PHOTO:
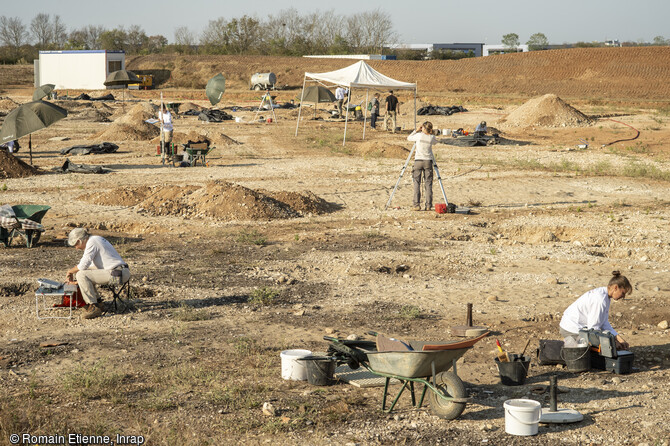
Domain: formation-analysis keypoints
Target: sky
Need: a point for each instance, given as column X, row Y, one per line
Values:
column 428, row 21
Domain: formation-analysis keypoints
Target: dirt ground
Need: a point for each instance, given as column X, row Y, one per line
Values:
column 281, row 240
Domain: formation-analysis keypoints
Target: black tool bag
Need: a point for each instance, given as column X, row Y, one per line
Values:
column 549, row 352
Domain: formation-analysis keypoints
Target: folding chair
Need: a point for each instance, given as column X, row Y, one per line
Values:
column 117, row 292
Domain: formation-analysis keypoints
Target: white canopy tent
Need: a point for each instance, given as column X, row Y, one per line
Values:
column 358, row 75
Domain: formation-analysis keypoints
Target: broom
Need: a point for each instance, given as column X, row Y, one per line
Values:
column 502, row 356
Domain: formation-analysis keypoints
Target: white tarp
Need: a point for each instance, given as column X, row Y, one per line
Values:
column 360, row 75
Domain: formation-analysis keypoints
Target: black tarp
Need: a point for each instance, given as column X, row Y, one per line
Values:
column 436, row 110
column 105, row 147
column 70, row 167
column 214, row 116
column 85, row 97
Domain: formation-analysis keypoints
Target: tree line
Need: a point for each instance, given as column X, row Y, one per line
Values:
column 287, row 33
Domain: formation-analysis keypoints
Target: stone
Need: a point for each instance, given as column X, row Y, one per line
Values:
column 269, row 410
column 492, row 298
column 663, row 325
column 352, row 337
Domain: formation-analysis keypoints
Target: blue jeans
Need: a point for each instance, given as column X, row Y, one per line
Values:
column 373, row 120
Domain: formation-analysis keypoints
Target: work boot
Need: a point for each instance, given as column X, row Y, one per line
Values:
column 416, row 208
column 92, row 311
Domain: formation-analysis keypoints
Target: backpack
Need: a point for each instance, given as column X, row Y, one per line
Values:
column 369, row 106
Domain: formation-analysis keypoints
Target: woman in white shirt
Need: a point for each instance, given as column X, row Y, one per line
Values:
column 423, row 164
column 591, row 310
column 165, row 116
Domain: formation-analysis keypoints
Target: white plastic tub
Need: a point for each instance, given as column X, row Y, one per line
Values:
column 291, row 368
column 522, row 416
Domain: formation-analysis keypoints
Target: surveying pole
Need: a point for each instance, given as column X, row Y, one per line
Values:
column 160, row 115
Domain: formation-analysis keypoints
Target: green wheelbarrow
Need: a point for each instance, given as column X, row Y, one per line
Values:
column 424, row 363
column 24, row 220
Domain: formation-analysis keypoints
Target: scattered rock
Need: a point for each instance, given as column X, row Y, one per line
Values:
column 269, row 410
column 663, row 325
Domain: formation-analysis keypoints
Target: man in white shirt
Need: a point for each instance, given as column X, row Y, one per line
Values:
column 340, row 92
column 165, row 116
column 481, row 129
column 99, row 265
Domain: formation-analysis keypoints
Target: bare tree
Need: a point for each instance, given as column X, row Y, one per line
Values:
column 93, row 33
column 136, row 39
column 41, row 30
column 377, row 29
column 59, row 32
column 215, row 37
column 13, row 33
column 184, row 40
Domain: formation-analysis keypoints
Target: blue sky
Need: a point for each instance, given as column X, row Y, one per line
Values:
column 428, row 21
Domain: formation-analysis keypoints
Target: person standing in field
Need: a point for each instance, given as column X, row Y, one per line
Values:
column 423, row 164
column 392, row 110
column 165, row 116
column 339, row 96
column 374, row 111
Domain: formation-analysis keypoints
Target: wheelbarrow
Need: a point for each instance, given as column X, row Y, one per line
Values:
column 422, row 362
column 198, row 152
column 24, row 220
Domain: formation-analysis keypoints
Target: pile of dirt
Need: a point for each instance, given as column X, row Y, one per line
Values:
column 7, row 105
column 304, row 203
column 546, row 111
column 380, row 149
column 131, row 126
column 188, row 106
column 218, row 200
column 12, row 167
column 121, row 196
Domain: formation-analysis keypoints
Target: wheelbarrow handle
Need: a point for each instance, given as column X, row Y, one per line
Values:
column 372, row 333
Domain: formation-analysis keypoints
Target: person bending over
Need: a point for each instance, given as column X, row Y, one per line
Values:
column 423, row 164
column 591, row 310
column 95, row 268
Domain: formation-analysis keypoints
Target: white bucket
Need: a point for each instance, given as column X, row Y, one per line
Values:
column 446, row 132
column 522, row 416
column 291, row 368
column 238, row 119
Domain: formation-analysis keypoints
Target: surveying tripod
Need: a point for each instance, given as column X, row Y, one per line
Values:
column 437, row 173
column 266, row 100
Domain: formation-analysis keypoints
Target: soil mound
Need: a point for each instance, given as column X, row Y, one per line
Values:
column 546, row 111
column 188, row 106
column 7, row 105
column 121, row 196
column 130, row 126
column 12, row 167
column 304, row 203
column 380, row 149
column 218, row 200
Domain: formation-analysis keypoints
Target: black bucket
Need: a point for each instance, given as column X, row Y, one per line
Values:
column 513, row 373
column 320, row 369
column 577, row 359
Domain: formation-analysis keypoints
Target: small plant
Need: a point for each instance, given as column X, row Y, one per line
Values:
column 410, row 312
column 493, row 251
column 4, row 187
column 252, row 237
column 96, row 381
column 246, row 346
column 263, row 296
column 187, row 313
column 297, row 238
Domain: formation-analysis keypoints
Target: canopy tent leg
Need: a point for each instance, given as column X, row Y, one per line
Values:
column 346, row 119
column 302, row 94
column 414, row 107
column 365, row 111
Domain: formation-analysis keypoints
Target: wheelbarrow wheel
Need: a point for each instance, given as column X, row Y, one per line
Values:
column 450, row 385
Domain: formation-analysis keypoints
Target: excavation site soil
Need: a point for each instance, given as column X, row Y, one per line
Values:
column 285, row 234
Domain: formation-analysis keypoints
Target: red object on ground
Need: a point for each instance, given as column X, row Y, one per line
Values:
column 77, row 300
column 441, row 208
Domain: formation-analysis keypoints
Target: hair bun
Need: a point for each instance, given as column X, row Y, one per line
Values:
column 616, row 273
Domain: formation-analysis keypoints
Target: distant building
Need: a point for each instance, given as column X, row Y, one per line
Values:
column 475, row 48
column 78, row 70
column 502, row 49
column 614, row 42
column 352, row 56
